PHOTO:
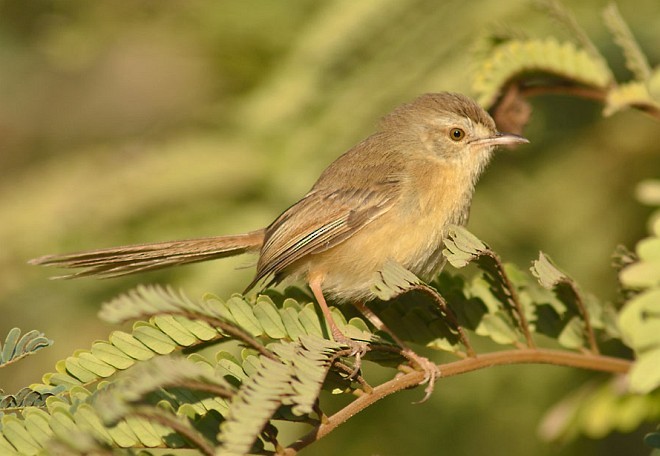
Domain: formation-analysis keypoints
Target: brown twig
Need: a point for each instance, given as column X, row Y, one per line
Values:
column 515, row 300
column 412, row 379
column 584, row 313
column 366, row 387
column 589, row 93
column 510, row 295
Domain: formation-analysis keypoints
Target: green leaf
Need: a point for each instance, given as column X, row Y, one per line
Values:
column 572, row 335
column 144, row 431
column 269, row 318
column 17, row 347
column 546, row 272
column 497, row 327
column 310, row 320
column 153, row 338
column 175, row 330
column 636, row 61
column 652, row 439
column 518, row 57
column 648, row 249
column 228, row 365
column 578, row 321
column 244, row 316
column 9, row 347
column 123, row 435
column 294, row 327
column 88, row 420
column 639, row 321
column 36, row 423
column 393, row 280
column 111, row 355
column 462, row 247
column 93, row 364
column 17, row 435
column 643, row 274
column 74, row 368
column 627, row 95
column 648, row 191
column 130, row 345
column 645, row 373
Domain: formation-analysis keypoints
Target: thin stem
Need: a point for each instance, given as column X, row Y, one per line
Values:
column 449, row 315
column 588, row 329
column 515, row 300
column 181, row 428
column 589, row 93
column 230, row 329
column 366, row 387
column 216, row 390
column 412, row 379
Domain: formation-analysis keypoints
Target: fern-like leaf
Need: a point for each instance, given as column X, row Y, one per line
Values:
column 16, row 347
column 506, row 317
column 628, row 95
column 560, row 60
column 640, row 318
column 296, row 381
column 577, row 318
column 393, row 280
column 636, row 61
column 565, row 18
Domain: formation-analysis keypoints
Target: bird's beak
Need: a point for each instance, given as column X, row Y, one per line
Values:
column 500, row 139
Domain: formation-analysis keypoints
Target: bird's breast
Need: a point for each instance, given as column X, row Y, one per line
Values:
column 410, row 233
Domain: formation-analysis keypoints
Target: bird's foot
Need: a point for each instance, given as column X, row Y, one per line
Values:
column 430, row 369
column 357, row 349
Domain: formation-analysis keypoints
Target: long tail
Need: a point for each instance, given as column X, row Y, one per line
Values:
column 130, row 259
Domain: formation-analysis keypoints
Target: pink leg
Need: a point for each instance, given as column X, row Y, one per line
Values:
column 357, row 348
column 315, row 282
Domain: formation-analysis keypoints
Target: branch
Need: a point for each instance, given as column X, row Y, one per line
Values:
column 589, row 93
column 501, row 358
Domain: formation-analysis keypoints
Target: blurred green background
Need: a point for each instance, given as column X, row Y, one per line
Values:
column 135, row 121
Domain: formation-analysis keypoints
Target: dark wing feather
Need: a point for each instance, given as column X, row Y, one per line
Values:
column 319, row 221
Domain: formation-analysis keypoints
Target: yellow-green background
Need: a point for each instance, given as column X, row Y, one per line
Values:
column 133, row 121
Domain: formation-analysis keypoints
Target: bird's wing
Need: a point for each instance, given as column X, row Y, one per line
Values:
column 321, row 220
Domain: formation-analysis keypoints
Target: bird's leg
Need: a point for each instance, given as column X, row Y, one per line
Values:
column 431, row 371
column 358, row 348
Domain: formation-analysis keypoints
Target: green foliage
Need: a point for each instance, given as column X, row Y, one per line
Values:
column 274, row 375
column 640, row 318
column 598, row 409
column 518, row 58
column 17, row 347
column 636, row 61
column 173, row 382
column 574, row 67
column 135, row 391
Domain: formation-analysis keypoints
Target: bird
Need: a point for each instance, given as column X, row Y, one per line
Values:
column 391, row 197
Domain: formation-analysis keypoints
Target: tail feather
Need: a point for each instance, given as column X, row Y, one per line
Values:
column 131, row 259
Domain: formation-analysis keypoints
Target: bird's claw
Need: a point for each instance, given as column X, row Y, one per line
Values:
column 430, row 369
column 357, row 349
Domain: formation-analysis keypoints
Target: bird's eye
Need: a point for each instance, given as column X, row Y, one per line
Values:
column 456, row 134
